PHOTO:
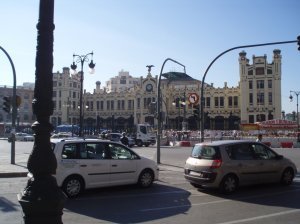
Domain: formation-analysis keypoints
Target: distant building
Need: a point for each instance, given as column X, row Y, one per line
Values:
column 124, row 100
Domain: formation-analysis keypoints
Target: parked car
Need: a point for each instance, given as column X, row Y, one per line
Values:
column 228, row 164
column 24, row 137
column 93, row 163
column 116, row 137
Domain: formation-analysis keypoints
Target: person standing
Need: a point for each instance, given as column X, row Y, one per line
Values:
column 259, row 138
column 124, row 139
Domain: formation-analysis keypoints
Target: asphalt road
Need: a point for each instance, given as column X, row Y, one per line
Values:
column 169, row 200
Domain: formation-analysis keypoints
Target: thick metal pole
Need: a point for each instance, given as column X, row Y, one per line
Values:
column 42, row 200
column 80, row 102
column 298, row 136
column 14, row 108
column 203, row 79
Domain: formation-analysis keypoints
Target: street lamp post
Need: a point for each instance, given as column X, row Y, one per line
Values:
column 291, row 99
column 159, row 104
column 82, row 59
column 42, row 200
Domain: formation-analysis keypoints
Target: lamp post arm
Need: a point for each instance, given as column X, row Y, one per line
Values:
column 14, row 107
column 203, row 79
column 159, row 131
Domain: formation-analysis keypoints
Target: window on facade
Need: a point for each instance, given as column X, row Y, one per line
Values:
column 216, row 102
column 251, row 119
column 74, row 105
column 235, row 101
column 270, row 98
column 26, row 117
column 270, row 84
column 260, row 84
column 91, row 106
column 108, row 105
column 250, row 72
column 98, row 105
column 54, row 94
column 123, row 80
column 260, row 98
column 59, row 105
column 74, row 85
column 250, row 84
column 129, row 104
column 59, row 93
column 139, row 103
column 269, row 71
column 230, row 101
column 101, row 105
column 59, row 84
column 74, row 94
column 54, row 83
column 112, row 105
column 251, row 98
column 207, row 102
column 119, row 105
column 260, row 71
column 221, row 101
column 123, row 105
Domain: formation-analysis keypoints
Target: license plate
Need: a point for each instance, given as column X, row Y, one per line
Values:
column 195, row 174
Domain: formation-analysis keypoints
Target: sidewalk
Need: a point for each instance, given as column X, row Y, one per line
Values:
column 19, row 169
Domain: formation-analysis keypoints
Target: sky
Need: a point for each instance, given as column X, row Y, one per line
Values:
column 130, row 34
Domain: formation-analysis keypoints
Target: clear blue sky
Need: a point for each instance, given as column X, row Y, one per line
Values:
column 130, row 34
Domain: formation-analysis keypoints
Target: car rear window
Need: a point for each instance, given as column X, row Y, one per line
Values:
column 206, row 152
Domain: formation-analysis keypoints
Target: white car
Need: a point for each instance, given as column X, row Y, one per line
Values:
column 93, row 163
column 24, row 137
column 116, row 137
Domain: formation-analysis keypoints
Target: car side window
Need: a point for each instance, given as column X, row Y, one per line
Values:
column 240, row 152
column 69, row 151
column 261, row 152
column 117, row 151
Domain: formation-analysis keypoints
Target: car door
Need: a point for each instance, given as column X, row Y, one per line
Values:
column 123, row 164
column 269, row 167
column 82, row 159
column 243, row 162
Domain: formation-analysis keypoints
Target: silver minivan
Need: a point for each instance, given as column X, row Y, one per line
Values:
column 228, row 164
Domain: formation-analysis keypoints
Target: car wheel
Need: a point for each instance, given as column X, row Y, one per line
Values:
column 287, row 176
column 146, row 178
column 229, row 184
column 147, row 144
column 73, row 186
column 139, row 143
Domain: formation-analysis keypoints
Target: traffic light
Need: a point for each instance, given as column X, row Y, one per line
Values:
column 298, row 38
column 196, row 112
column 6, row 104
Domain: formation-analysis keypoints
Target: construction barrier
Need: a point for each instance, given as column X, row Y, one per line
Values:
column 184, row 144
column 286, row 144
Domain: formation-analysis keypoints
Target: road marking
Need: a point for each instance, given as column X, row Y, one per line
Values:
column 262, row 217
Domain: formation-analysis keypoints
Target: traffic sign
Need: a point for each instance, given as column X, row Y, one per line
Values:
column 193, row 98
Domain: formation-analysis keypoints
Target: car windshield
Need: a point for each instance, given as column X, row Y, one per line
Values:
column 205, row 152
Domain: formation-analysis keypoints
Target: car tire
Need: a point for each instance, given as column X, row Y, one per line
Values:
column 287, row 176
column 229, row 184
column 139, row 143
column 147, row 144
column 73, row 186
column 146, row 178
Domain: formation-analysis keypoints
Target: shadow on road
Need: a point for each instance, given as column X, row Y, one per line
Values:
column 131, row 204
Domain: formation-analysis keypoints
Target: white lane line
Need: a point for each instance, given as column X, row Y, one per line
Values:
column 261, row 217
column 217, row 201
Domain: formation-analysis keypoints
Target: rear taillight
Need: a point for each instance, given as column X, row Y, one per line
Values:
column 216, row 163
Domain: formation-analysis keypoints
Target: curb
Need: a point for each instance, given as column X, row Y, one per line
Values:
column 13, row 174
